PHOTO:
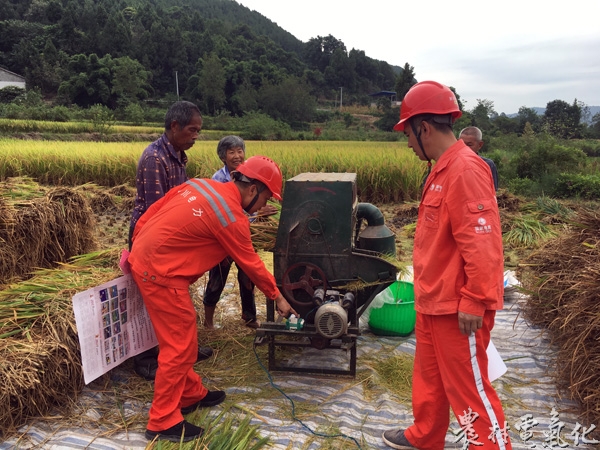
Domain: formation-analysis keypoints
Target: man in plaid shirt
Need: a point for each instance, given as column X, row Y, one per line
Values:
column 160, row 168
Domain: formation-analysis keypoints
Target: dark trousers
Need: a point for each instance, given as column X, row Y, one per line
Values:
column 153, row 352
column 217, row 278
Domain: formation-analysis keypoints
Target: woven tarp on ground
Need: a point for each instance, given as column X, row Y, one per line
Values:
column 526, row 388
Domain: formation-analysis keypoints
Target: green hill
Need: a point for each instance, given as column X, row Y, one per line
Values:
column 225, row 56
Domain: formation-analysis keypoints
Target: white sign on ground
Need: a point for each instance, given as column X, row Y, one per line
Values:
column 113, row 325
column 496, row 366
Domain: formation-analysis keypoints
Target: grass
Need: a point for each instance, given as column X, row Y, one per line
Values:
column 528, row 232
column 226, row 431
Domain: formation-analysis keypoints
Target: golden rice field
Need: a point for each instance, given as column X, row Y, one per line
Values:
column 386, row 171
column 12, row 126
column 43, row 126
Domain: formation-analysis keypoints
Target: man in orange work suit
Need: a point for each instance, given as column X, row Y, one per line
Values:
column 180, row 237
column 458, row 278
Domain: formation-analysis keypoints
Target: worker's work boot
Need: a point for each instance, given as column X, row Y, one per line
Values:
column 182, row 432
column 396, row 439
column 212, row 398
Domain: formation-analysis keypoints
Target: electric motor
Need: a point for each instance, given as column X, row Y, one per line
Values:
column 331, row 320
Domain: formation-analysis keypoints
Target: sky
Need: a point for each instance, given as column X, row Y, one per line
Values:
column 512, row 52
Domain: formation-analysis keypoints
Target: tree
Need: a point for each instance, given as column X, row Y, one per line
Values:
column 37, row 12
column 388, row 119
column 529, row 115
column 47, row 69
column 318, row 51
column 386, row 78
column 115, row 38
column 212, row 84
column 289, row 101
column 563, row 120
column 129, row 81
column 528, row 132
column 340, row 71
column 482, row 114
column 105, row 81
column 89, row 83
column 506, row 124
column 586, row 114
column 405, row 81
column 365, row 69
column 458, row 100
column 594, row 127
column 69, row 37
column 10, row 93
column 245, row 98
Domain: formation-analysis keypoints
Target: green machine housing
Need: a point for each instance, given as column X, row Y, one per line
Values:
column 329, row 247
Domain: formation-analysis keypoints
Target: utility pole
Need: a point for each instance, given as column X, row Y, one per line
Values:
column 341, row 98
column 177, row 85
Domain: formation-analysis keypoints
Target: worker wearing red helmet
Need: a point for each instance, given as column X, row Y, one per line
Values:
column 458, row 280
column 181, row 236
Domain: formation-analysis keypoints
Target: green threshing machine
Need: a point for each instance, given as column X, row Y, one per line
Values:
column 329, row 264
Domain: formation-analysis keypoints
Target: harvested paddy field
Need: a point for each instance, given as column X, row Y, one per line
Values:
column 302, row 411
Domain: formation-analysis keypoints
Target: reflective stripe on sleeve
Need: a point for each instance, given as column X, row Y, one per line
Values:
column 212, row 202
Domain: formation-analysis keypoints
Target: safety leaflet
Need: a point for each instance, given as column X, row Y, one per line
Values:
column 113, row 325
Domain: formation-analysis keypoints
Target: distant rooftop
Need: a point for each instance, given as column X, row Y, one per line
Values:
column 383, row 94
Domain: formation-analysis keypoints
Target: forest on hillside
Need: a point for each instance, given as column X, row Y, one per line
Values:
column 216, row 53
column 128, row 55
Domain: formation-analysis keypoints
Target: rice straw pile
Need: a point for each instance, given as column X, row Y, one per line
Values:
column 263, row 230
column 102, row 200
column 41, row 227
column 39, row 347
column 264, row 234
column 563, row 281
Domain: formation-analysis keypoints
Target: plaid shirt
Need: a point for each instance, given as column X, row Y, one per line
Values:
column 159, row 169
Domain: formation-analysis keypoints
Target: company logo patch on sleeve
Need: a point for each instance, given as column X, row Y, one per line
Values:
column 483, row 227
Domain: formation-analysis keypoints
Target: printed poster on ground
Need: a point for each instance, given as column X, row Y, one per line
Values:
column 113, row 325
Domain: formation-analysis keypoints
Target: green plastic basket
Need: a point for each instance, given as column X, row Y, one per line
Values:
column 397, row 316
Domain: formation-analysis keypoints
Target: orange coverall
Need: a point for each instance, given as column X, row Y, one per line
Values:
column 458, row 266
column 181, row 236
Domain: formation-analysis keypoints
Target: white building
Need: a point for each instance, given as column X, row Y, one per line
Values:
column 8, row 78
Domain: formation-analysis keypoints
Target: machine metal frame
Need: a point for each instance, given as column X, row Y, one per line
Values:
column 323, row 246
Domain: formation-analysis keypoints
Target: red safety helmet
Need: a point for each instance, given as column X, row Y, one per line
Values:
column 264, row 170
column 428, row 97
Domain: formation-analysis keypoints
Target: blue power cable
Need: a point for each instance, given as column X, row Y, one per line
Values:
column 342, row 435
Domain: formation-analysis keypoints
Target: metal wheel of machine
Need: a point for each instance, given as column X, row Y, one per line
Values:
column 300, row 281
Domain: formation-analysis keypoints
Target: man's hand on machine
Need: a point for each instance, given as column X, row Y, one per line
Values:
column 283, row 307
